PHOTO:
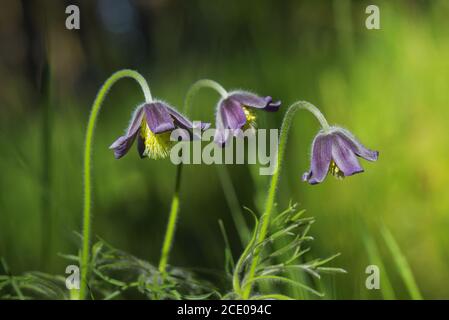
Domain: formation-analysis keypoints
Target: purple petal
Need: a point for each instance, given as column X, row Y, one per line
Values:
column 272, row 106
column 205, row 125
column 358, row 148
column 254, row 101
column 158, row 117
column 123, row 143
column 179, row 118
column 321, row 158
column 344, row 156
column 201, row 126
column 183, row 122
column 221, row 137
column 231, row 114
column 136, row 122
column 140, row 146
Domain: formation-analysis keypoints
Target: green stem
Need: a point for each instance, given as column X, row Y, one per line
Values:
column 169, row 233
column 285, row 128
column 204, row 83
column 85, row 254
column 225, row 180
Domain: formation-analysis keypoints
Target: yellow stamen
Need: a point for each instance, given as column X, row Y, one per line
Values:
column 250, row 118
column 335, row 170
column 157, row 146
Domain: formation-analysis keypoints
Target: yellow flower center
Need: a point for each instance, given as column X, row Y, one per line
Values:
column 157, row 146
column 335, row 170
column 250, row 118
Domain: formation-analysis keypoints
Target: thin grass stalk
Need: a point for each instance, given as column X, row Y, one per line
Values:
column 46, row 178
column 402, row 265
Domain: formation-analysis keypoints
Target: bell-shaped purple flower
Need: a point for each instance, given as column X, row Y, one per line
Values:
column 234, row 114
column 152, row 124
column 335, row 150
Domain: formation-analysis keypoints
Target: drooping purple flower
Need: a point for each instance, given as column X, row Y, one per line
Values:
column 152, row 124
column 335, row 150
column 234, row 114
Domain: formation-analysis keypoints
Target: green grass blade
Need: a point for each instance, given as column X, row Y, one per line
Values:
column 374, row 258
column 234, row 205
column 402, row 265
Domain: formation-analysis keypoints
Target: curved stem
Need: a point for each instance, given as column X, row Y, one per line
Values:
column 85, row 251
column 169, row 233
column 285, row 128
column 314, row 110
column 171, row 226
column 223, row 173
column 203, row 83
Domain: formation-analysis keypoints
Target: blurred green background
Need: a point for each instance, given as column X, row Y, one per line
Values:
column 388, row 86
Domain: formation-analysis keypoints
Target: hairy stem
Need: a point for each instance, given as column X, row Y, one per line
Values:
column 204, row 83
column 223, row 173
column 85, row 253
column 265, row 220
column 169, row 233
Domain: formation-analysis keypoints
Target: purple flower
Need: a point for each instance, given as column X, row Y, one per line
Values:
column 234, row 113
column 152, row 124
column 335, row 150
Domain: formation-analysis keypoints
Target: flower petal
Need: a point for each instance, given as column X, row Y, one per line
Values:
column 231, row 114
column 178, row 117
column 344, row 156
column 158, row 117
column 123, row 143
column 321, row 158
column 254, row 101
column 183, row 122
column 136, row 121
column 222, row 137
column 358, row 148
column 140, row 146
